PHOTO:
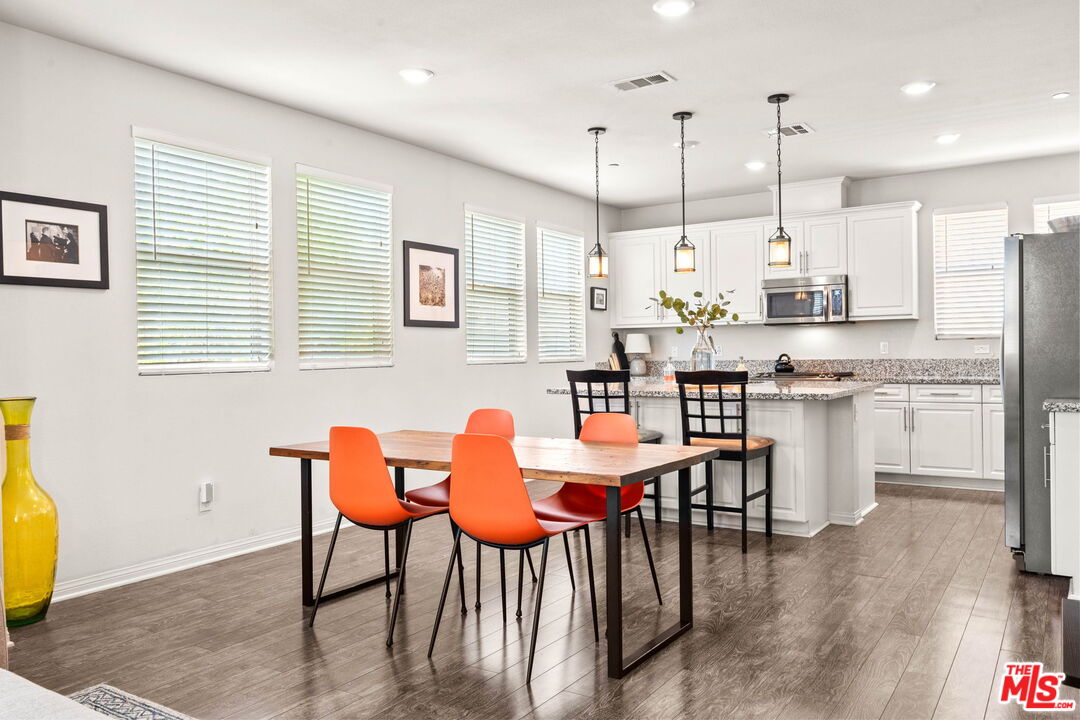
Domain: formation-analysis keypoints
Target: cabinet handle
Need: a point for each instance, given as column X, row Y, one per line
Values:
column 1046, row 466
column 912, row 419
column 905, row 419
column 944, row 394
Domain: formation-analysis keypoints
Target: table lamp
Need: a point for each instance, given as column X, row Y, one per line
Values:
column 637, row 344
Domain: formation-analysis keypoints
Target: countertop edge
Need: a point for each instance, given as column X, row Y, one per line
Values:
column 1061, row 405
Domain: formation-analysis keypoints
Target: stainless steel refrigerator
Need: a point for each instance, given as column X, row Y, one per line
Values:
column 1040, row 359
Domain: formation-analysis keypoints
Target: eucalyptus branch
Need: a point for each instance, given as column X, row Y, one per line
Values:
column 701, row 314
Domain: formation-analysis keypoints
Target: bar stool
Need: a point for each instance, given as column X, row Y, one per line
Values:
column 732, row 439
column 490, row 504
column 361, row 490
column 600, row 400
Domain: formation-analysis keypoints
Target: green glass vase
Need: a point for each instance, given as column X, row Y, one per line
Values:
column 31, row 531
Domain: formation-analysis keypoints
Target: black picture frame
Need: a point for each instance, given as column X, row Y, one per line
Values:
column 6, row 276
column 407, row 247
column 598, row 298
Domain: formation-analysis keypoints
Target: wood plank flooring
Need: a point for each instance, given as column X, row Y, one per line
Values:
column 909, row 615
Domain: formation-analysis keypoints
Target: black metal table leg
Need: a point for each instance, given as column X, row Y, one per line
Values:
column 399, row 534
column 307, row 589
column 613, row 567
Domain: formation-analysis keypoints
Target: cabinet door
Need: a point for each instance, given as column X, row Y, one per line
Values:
column 685, row 284
column 993, row 442
column 892, row 444
column 635, row 277
column 882, row 272
column 736, row 255
column 795, row 230
column 946, row 439
column 825, row 246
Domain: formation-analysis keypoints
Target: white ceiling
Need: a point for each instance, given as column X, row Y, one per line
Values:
column 519, row 81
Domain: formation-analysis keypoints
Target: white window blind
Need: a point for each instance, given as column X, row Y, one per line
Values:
column 561, row 296
column 202, row 236
column 494, row 289
column 344, row 264
column 969, row 267
column 1052, row 210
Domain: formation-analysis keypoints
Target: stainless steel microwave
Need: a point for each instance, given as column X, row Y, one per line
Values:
column 799, row 300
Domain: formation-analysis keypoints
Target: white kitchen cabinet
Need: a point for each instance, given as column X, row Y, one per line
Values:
column 946, row 439
column 892, row 441
column 685, row 284
column 736, row 263
column 636, row 271
column 795, row 230
column 882, row 248
column 825, row 246
column 993, row 441
column 1063, row 476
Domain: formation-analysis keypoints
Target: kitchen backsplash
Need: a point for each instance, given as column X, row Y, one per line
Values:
column 869, row 368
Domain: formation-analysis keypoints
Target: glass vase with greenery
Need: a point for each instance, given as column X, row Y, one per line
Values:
column 701, row 315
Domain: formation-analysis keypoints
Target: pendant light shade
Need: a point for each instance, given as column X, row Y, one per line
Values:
column 685, row 252
column 780, row 242
column 597, row 259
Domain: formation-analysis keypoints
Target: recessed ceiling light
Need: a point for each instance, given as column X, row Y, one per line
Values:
column 1059, row 96
column 755, row 165
column 416, row 76
column 919, row 87
column 672, row 8
column 689, row 144
column 947, row 138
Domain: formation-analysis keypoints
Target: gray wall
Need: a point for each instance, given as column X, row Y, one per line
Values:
column 1016, row 182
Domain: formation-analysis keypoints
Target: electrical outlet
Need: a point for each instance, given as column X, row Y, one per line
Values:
column 719, row 350
column 982, row 349
column 674, row 352
column 884, row 348
column 206, row 495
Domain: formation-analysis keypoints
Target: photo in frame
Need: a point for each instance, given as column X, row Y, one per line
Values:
column 431, row 285
column 598, row 298
column 48, row 241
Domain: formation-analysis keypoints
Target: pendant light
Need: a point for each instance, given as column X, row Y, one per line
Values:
column 780, row 242
column 597, row 258
column 685, row 260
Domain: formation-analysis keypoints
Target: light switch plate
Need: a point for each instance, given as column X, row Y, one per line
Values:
column 982, row 349
column 884, row 347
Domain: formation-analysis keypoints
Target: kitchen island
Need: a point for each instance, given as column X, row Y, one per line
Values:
column 823, row 461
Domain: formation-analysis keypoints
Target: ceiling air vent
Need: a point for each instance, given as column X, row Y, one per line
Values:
column 789, row 130
column 644, row 81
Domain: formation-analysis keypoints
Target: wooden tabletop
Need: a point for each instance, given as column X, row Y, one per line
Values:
column 591, row 463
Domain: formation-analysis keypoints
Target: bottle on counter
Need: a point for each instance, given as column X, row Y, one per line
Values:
column 741, row 367
column 669, row 374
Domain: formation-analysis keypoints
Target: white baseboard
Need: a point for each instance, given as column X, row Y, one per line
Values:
column 942, row 482
column 182, row 561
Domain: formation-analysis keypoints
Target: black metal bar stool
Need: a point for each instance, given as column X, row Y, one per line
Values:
column 732, row 439
column 600, row 400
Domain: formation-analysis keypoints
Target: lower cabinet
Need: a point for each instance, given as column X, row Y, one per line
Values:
column 946, row 439
column 994, row 441
column 1063, row 450
column 892, row 440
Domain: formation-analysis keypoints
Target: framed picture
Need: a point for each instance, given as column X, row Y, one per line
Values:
column 598, row 298
column 431, row 273
column 46, row 241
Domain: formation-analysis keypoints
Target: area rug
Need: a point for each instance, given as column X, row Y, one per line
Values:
column 114, row 703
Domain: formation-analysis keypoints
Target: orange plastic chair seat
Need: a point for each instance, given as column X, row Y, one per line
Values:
column 437, row 495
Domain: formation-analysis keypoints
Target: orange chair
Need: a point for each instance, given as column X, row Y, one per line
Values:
column 490, row 504
column 361, row 490
column 587, row 503
column 486, row 421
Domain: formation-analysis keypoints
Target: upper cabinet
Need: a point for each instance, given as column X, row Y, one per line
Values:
column 875, row 246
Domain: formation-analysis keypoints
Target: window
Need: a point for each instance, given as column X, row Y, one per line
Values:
column 344, row 265
column 560, row 296
column 1053, row 208
column 494, row 289
column 202, row 237
column 969, row 267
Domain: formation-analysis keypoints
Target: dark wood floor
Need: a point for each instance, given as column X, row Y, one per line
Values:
column 909, row 615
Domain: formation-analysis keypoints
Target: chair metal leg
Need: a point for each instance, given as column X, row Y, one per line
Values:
column 326, row 567
column 400, row 581
column 569, row 565
column 502, row 580
column 445, row 588
column 768, row 493
column 592, row 585
column 744, row 504
column 529, row 558
column 648, row 554
column 461, row 583
column 521, row 578
column 386, row 559
column 536, row 611
column 626, row 526
column 477, row 605
column 656, row 500
column 709, row 494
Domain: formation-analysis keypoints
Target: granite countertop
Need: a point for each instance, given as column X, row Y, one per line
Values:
column 1051, row 405
column 938, row 379
column 767, row 390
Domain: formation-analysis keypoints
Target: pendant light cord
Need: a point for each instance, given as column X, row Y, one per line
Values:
column 779, row 179
column 682, row 165
column 596, row 154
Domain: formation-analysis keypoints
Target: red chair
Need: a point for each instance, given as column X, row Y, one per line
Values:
column 361, row 490
column 486, row 421
column 574, row 502
column 490, row 504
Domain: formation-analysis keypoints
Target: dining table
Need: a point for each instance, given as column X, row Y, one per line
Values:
column 612, row 466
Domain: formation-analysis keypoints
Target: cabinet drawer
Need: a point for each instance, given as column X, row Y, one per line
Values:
column 891, row 392
column 991, row 393
column 946, row 393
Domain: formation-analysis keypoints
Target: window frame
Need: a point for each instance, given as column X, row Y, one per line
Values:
column 507, row 217
column 1053, row 200
column 581, row 299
